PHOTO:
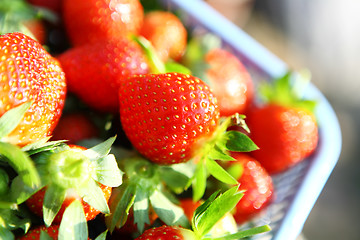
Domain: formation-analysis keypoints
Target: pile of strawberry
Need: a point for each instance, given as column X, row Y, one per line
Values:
column 118, row 122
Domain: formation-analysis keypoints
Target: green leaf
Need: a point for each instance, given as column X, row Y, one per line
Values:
column 53, row 199
column 205, row 220
column 11, row 119
column 20, row 192
column 6, row 234
column 94, row 196
column 14, row 219
column 4, row 182
column 8, row 205
column 289, row 90
column 199, row 182
column 239, row 142
column 243, row 234
column 141, row 209
column 219, row 173
column 108, row 172
column 172, row 66
column 202, row 208
column 235, row 170
column 122, row 198
column 217, row 154
column 73, row 225
column 102, row 236
column 41, row 146
column 21, row 162
column 45, row 236
column 167, row 211
column 100, row 150
column 177, row 176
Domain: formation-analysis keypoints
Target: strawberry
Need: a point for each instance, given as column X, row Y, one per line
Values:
column 69, row 173
column 166, row 33
column 223, row 71
column 29, row 73
column 284, row 128
column 230, row 81
column 172, row 118
column 75, row 127
column 256, row 183
column 94, row 20
column 94, row 71
column 167, row 116
column 34, row 234
column 35, row 204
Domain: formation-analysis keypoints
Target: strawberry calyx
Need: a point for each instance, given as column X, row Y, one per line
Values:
column 15, row 13
column 213, row 209
column 197, row 48
column 12, row 154
column 155, row 63
column 145, row 187
column 69, row 168
column 72, row 170
column 217, row 148
column 288, row 90
column 12, row 218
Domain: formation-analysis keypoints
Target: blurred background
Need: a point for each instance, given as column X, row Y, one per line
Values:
column 323, row 36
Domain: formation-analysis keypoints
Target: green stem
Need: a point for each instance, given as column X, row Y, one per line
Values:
column 156, row 64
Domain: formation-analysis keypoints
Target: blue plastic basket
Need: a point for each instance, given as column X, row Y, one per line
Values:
column 297, row 189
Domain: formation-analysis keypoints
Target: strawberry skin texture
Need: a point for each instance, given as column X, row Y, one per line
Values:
column 35, row 204
column 94, row 71
column 167, row 116
column 285, row 135
column 28, row 72
column 166, row 33
column 34, row 234
column 167, row 233
column 94, row 20
column 258, row 186
column 230, row 81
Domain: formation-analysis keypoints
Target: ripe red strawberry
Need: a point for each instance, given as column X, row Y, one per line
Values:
column 167, row 116
column 166, row 33
column 34, row 234
column 284, row 128
column 93, row 71
column 35, row 204
column 94, row 20
column 285, row 135
column 256, row 183
column 29, row 73
column 166, row 233
column 75, row 127
column 230, row 81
